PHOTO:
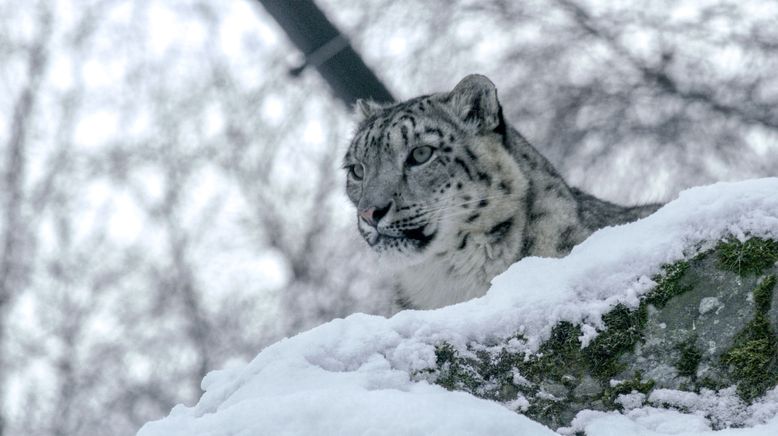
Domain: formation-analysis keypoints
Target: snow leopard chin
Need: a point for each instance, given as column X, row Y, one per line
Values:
column 414, row 248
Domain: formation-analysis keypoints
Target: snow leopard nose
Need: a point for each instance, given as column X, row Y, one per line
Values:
column 372, row 215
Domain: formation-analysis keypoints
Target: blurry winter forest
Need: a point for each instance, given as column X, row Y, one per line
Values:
column 171, row 198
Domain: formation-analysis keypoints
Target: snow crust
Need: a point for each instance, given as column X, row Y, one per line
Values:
column 359, row 375
column 650, row 421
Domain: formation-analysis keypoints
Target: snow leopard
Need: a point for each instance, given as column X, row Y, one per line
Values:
column 449, row 195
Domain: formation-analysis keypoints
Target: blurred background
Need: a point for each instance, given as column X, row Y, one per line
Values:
column 171, row 194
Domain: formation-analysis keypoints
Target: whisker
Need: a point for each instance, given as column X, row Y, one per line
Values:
column 440, row 206
column 457, row 214
column 443, row 203
column 460, row 212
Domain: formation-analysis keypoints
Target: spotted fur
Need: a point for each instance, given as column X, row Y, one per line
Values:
column 483, row 200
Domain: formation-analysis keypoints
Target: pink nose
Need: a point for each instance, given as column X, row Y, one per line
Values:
column 367, row 215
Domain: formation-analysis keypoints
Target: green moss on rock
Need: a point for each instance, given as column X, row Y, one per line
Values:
column 753, row 256
column 669, row 284
column 454, row 373
column 689, row 359
column 753, row 361
column 548, row 411
column 636, row 384
column 624, row 328
column 553, row 358
column 763, row 295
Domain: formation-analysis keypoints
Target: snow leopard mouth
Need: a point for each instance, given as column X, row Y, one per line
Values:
column 416, row 237
column 419, row 236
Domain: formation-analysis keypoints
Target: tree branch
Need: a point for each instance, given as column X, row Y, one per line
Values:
column 763, row 116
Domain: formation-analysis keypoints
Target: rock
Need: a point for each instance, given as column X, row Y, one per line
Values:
column 708, row 304
column 589, row 387
column 710, row 324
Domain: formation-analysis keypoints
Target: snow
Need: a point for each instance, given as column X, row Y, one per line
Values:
column 631, row 401
column 658, row 422
column 358, row 375
column 345, row 408
column 723, row 408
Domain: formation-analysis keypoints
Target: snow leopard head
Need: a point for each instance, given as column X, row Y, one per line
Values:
column 427, row 173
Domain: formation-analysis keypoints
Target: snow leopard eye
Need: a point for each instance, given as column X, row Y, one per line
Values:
column 419, row 155
column 357, row 171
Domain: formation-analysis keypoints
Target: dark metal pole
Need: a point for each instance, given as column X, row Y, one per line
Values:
column 326, row 49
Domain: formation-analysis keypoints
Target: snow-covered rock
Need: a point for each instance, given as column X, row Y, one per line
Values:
column 657, row 315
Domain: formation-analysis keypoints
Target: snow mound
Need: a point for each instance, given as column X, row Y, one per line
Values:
column 357, row 375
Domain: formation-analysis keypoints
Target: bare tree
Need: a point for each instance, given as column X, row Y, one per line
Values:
column 660, row 98
column 14, row 230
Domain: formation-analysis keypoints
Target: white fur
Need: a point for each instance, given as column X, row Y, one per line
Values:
column 447, row 275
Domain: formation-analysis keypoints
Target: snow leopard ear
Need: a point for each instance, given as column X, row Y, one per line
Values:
column 364, row 109
column 474, row 99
